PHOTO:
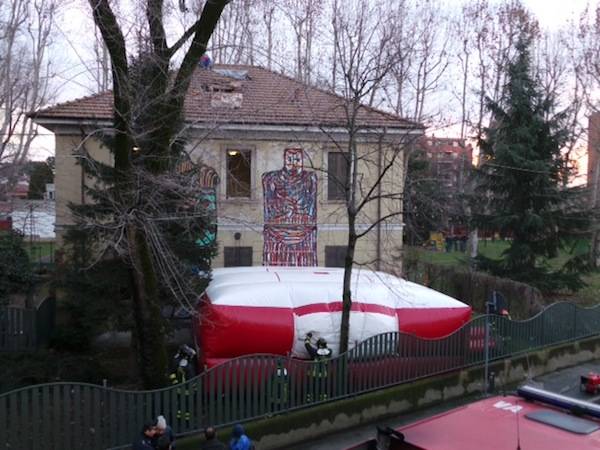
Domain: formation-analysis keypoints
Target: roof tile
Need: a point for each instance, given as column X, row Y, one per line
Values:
column 269, row 98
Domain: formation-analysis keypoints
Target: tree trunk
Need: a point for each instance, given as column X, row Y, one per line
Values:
column 594, row 255
column 473, row 244
column 347, row 293
column 149, row 327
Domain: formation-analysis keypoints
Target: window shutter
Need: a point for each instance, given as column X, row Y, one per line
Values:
column 337, row 170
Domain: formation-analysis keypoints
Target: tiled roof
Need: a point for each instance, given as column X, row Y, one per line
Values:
column 267, row 98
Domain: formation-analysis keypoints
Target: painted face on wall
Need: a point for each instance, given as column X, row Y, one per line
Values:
column 293, row 159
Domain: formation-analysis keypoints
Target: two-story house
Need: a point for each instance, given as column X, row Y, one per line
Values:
column 274, row 147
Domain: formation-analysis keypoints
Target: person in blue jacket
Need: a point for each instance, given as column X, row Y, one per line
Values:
column 239, row 440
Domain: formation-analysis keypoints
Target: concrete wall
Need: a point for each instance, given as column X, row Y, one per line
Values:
column 245, row 216
column 293, row 428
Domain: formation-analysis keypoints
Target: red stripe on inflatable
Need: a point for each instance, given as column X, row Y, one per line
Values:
column 314, row 308
column 432, row 322
column 230, row 331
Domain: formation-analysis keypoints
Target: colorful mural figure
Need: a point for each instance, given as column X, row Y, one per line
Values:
column 206, row 180
column 207, row 198
column 290, row 210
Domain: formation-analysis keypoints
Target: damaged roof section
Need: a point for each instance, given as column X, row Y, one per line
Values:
column 238, row 94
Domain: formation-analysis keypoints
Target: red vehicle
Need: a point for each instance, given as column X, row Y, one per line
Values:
column 535, row 420
column 590, row 383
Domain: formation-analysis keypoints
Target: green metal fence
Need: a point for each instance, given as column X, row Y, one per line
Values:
column 84, row 416
column 23, row 330
column 17, row 329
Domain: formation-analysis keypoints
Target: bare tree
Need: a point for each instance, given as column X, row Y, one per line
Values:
column 234, row 39
column 371, row 184
column 431, row 54
column 268, row 14
column 25, row 35
column 303, row 16
column 102, row 63
column 560, row 69
column 421, row 42
column 512, row 20
column 467, row 29
column 149, row 89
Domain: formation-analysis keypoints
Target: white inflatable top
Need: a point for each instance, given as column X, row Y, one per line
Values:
column 293, row 287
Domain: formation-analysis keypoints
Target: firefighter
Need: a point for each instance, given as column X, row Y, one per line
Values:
column 317, row 373
column 280, row 386
column 182, row 373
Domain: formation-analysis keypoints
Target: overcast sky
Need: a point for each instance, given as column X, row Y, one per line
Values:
column 553, row 13
column 71, row 82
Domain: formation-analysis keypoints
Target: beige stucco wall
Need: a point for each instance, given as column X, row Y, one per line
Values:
column 69, row 179
column 245, row 216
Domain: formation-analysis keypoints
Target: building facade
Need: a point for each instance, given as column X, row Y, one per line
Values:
column 451, row 164
column 593, row 152
column 275, row 149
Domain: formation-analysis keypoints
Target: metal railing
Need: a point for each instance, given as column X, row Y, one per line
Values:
column 17, row 329
column 78, row 415
column 23, row 329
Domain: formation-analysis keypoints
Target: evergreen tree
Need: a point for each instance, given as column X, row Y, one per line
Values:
column 16, row 274
column 172, row 209
column 423, row 203
column 523, row 178
column 150, row 80
column 41, row 174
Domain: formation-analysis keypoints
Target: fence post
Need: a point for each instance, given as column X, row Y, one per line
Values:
column 575, row 334
column 486, row 344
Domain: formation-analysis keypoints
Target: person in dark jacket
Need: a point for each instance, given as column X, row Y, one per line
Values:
column 164, row 443
column 162, row 429
column 212, row 442
column 317, row 372
column 319, row 353
column 145, row 440
column 239, row 440
column 183, row 371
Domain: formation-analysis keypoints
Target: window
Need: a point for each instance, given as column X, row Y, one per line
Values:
column 338, row 166
column 237, row 256
column 335, row 255
column 239, row 173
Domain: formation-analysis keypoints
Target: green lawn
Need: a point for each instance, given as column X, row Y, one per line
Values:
column 489, row 249
column 493, row 249
column 40, row 251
